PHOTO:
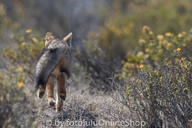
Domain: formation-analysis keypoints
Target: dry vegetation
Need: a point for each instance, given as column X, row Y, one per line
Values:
column 131, row 63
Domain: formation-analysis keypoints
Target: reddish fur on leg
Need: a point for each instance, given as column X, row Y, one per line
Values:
column 50, row 90
column 62, row 83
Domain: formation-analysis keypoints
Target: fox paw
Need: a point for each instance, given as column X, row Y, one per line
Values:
column 63, row 96
column 40, row 92
column 51, row 102
column 59, row 106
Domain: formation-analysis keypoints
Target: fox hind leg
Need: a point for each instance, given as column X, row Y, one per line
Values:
column 50, row 91
column 62, row 83
column 59, row 102
column 61, row 91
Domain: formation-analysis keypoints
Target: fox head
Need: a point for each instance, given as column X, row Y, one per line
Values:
column 49, row 37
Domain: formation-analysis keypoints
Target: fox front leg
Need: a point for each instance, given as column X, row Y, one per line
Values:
column 40, row 92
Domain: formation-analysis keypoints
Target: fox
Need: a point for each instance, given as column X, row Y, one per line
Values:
column 53, row 69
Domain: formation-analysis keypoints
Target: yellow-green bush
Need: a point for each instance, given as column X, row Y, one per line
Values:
column 158, row 48
column 165, row 90
column 28, row 47
column 16, row 78
column 121, row 31
column 158, row 78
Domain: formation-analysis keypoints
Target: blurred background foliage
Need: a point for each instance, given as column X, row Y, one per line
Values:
column 121, row 31
column 125, row 38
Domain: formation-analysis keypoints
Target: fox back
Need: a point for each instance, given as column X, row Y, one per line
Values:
column 48, row 61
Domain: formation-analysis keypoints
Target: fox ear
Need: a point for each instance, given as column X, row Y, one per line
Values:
column 68, row 38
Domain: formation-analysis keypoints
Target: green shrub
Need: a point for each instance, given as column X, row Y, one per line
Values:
column 15, row 77
column 121, row 32
column 158, row 48
column 28, row 46
column 162, row 95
